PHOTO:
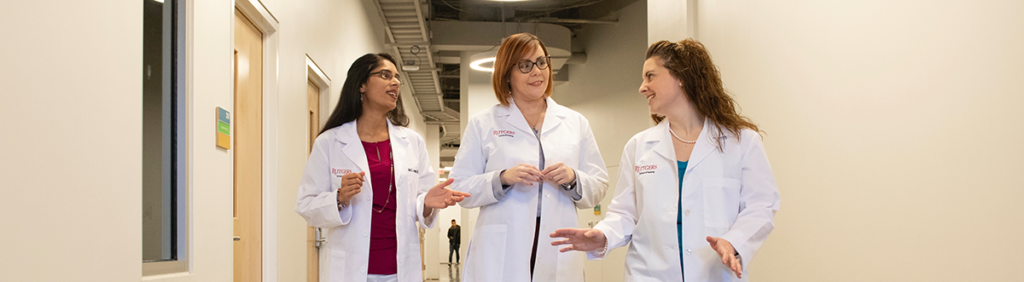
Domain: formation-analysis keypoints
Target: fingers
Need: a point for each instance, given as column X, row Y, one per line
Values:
column 733, row 264
column 444, row 184
column 552, row 167
column 565, row 232
column 560, row 242
column 459, row 194
column 532, row 170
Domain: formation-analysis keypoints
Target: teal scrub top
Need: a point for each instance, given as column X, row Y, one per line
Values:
column 679, row 213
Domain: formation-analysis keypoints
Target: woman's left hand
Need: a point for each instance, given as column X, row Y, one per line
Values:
column 439, row 197
column 559, row 174
column 728, row 254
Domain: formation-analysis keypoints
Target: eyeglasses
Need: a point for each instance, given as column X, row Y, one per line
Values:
column 527, row 66
column 387, row 75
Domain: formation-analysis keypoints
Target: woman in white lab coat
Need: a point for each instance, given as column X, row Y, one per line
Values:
column 695, row 195
column 368, row 181
column 529, row 163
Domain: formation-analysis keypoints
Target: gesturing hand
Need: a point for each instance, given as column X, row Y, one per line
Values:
column 522, row 173
column 439, row 197
column 580, row 239
column 559, row 174
column 728, row 254
column 351, row 184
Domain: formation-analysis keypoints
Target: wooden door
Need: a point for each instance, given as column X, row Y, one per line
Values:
column 312, row 234
column 248, row 147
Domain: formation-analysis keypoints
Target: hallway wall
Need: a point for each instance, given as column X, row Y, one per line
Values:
column 893, row 128
column 71, row 171
column 71, row 140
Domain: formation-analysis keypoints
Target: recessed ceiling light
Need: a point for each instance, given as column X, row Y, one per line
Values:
column 476, row 64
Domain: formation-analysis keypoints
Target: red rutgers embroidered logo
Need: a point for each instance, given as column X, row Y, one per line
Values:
column 504, row 133
column 645, row 169
column 340, row 171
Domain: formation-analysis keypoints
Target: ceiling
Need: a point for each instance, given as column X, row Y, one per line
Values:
column 432, row 71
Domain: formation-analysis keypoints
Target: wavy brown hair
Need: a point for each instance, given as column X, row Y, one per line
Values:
column 691, row 64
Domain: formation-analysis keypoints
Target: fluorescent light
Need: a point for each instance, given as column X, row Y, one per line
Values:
column 476, row 64
column 159, row 1
column 448, row 168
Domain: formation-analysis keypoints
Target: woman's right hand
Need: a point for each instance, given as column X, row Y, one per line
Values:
column 584, row 240
column 522, row 173
column 351, row 184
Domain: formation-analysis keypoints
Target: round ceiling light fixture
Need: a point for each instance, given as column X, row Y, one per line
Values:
column 476, row 65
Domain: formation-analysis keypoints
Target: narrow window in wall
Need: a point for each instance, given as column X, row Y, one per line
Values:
column 163, row 138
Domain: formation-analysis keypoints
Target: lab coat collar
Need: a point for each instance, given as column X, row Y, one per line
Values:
column 704, row 146
column 553, row 116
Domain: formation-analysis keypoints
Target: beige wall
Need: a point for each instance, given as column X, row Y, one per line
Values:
column 72, row 164
column 71, row 145
column 893, row 129
column 890, row 127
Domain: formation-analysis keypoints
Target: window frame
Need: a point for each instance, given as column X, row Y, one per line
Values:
column 181, row 148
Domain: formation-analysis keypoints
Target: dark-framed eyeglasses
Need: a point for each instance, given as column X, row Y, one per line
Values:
column 541, row 63
column 388, row 75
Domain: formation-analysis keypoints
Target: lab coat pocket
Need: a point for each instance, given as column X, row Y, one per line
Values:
column 721, row 201
column 338, row 264
column 489, row 244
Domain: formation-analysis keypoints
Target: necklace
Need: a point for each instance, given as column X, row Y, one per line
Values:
column 680, row 139
column 391, row 181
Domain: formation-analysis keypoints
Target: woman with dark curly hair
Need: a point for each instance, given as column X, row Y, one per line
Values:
column 701, row 174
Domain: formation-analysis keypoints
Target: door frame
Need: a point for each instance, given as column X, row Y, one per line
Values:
column 268, row 24
column 316, row 75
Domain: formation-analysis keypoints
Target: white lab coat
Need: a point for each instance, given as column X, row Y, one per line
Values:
column 730, row 194
column 338, row 151
column 499, row 138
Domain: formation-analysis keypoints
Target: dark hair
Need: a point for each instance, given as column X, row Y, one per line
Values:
column 453, row 221
column 691, row 64
column 350, row 104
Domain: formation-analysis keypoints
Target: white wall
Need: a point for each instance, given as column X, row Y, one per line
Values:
column 71, row 141
column 893, row 128
column 604, row 89
column 72, row 161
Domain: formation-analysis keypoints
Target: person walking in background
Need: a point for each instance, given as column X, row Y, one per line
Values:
column 701, row 173
column 454, row 240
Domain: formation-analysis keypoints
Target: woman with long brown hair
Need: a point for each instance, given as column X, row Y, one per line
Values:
column 704, row 162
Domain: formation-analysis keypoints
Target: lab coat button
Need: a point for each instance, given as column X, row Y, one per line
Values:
column 364, row 234
column 686, row 213
column 367, row 198
column 687, row 251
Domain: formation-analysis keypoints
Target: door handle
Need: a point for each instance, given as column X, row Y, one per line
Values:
column 320, row 239
column 237, row 238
